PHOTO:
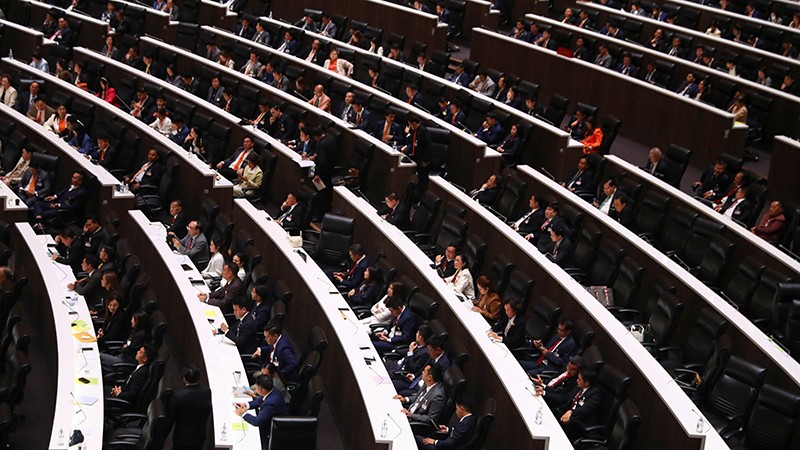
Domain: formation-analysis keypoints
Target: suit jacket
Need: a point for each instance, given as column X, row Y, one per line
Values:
column 418, row 145
column 243, row 333
column 178, row 224
column 223, row 296
column 563, row 254
column 394, row 129
column 284, row 358
column 515, row 338
column 323, row 102
column 294, row 219
column 109, row 160
column 355, row 274
column 117, row 328
column 558, row 358
column 32, row 112
column 365, row 118
column 366, row 294
column 261, row 314
column 459, row 434
column 188, row 411
column 532, row 223
column 742, row 212
column 268, row 407
column 64, row 36
column 542, row 237
column 318, row 58
column 72, row 255
column 626, row 216
column 581, row 181
column 487, row 196
column 631, row 70
column 399, row 217
column 326, row 159
column 261, row 37
column 559, row 393
column 492, row 135
column 253, row 68
column 135, row 384
column 90, row 288
column 462, row 78
column 199, row 251
column 584, row 412
column 429, row 405
column 42, row 185
column 446, row 268
column 92, row 242
column 289, row 47
column 283, row 128
column 690, row 88
column 662, row 170
column 711, row 182
column 70, row 200
column 245, row 32
column 404, row 327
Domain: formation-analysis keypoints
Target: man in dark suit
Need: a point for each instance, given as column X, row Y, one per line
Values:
column 194, row 245
column 89, row 286
column 261, row 36
column 418, row 147
column 426, row 404
column 93, row 236
column 627, row 67
column 688, row 87
column 413, row 97
column 292, row 212
column 396, row 213
column 402, row 331
column 225, row 295
column 491, row 131
column 414, row 361
column 278, row 355
column 34, row 185
column 63, row 34
column 355, row 274
column 510, row 331
column 582, row 180
column 676, row 49
column 531, row 220
column 244, row 29
column 288, row 45
column 411, row 382
column 656, row 165
column 234, row 164
column 70, row 199
column 188, row 411
column 553, row 356
column 445, row 264
column 459, row 77
column 281, row 126
column 541, row 237
column 149, row 173
column 605, row 202
column 178, row 220
column 581, row 410
column 456, row 116
column 561, row 250
column 713, row 181
column 314, row 54
column 623, row 210
column 243, row 332
column 738, row 207
column 152, row 67
column 359, row 116
column 69, row 250
column 105, row 155
column 388, row 130
column 459, row 434
column 325, row 163
column 130, row 390
column 487, row 194
column 557, row 391
column 268, row 404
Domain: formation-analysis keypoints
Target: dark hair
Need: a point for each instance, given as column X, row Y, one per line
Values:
column 149, row 352
column 589, row 375
column 435, row 371
column 436, row 342
column 118, row 298
column 391, row 196
column 358, row 249
column 191, row 374
column 398, row 289
column 466, row 402
column 240, row 302
column 558, row 230
column 516, row 304
column 92, row 260
column 394, row 302
column 425, row 332
column 611, row 182
column 142, row 323
column 265, row 382
column 623, row 199
column 274, row 330
column 578, row 361
column 262, row 291
column 567, row 324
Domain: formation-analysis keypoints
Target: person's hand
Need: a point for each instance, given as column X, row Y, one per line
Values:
column 476, row 309
column 224, row 327
column 240, row 409
column 257, row 353
column 384, row 216
column 351, row 293
column 202, row 297
column 317, row 179
column 99, row 333
column 71, row 286
column 50, row 198
column 250, row 393
column 220, row 164
column 567, row 415
column 406, row 412
column 116, row 390
column 54, row 256
column 428, row 441
column 410, row 377
column 412, row 346
column 443, row 428
column 439, row 259
column 708, row 194
column 538, row 391
column 176, row 243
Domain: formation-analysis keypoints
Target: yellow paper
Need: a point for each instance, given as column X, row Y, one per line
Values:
column 79, row 326
column 85, row 337
column 239, row 426
column 91, row 381
column 210, row 313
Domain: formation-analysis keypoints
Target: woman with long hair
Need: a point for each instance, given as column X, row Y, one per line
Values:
column 367, row 291
column 57, row 123
column 593, row 138
column 380, row 312
column 140, row 334
column 461, row 281
column 115, row 326
column 108, row 93
column 489, row 303
column 214, row 268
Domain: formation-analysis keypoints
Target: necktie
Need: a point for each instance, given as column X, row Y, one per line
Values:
column 103, row 154
column 310, row 55
column 56, row 34
column 453, row 120
column 191, row 242
column 147, row 69
column 653, row 169
column 575, row 400
column 418, row 401
column 545, row 224
column 414, row 143
column 358, row 118
column 32, row 185
column 558, row 380
column 555, row 253
column 386, row 130
column 319, row 99
column 144, row 167
column 39, row 116
column 241, row 158
column 352, row 269
column 555, row 344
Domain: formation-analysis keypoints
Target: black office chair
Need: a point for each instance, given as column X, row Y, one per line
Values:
column 622, row 435
column 475, row 250
column 610, row 127
column 520, row 286
column 699, row 241
column 500, row 272
column 627, row 284
column 699, row 345
column 761, row 307
column 142, row 431
column 614, row 385
column 424, row 215
column 677, row 230
column 605, row 268
column 452, row 231
column 583, row 334
column 329, row 247
column 771, row 424
column 715, row 262
column 298, row 433
column 540, row 323
column 586, row 247
column 509, row 199
column 730, row 399
column 485, row 420
column 650, row 215
column 740, row 288
column 423, row 306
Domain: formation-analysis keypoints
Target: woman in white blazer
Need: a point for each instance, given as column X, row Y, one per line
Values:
column 340, row 66
column 461, row 281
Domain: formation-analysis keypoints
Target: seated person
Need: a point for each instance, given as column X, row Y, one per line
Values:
column 561, row 251
column 713, row 181
column 555, row 354
column 248, row 182
column 194, row 244
column 427, row 403
column 623, row 210
column 489, row 303
column 268, row 403
column 411, row 382
column 738, row 207
column 582, row 181
column 381, row 315
column 229, row 168
column 510, row 331
column 232, row 289
column 365, row 293
column 409, row 367
column 130, row 390
column 34, row 184
column 402, row 331
column 557, row 391
column 593, row 138
column 541, row 236
column 355, row 274
column 178, row 221
column 656, row 166
column 605, row 203
column 461, row 281
column 292, row 212
column 213, row 270
column 396, row 213
column 445, row 264
column 278, row 356
column 577, row 125
column 13, row 177
column 740, row 180
column 148, row 174
column 491, row 131
column 140, row 335
column 581, row 410
column 532, row 220
column 487, row 194
column 456, row 436
column 71, row 199
column 243, row 332
column 89, row 286
column 510, row 146
column 772, row 224
column 69, row 250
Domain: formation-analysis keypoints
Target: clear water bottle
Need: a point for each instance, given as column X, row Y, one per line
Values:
column 11, row 53
column 539, row 416
column 384, row 428
column 224, row 434
column 700, row 425
column 61, row 437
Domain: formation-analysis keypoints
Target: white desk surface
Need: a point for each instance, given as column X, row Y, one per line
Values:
column 507, row 369
column 373, row 380
column 12, row 200
column 78, row 405
column 219, row 353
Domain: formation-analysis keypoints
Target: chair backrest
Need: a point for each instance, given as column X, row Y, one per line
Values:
column 791, row 338
column 475, row 250
column 452, row 231
column 583, row 334
column 542, row 319
column 650, row 214
column 155, row 431
column 454, row 384
column 335, row 239
column 623, row 434
column 426, row 212
column 743, row 284
column 423, row 306
column 586, row 246
column 715, row 262
column 297, row 433
column 734, row 391
column 482, row 426
column 510, row 197
column 520, row 286
column 500, row 272
column 615, row 386
column 773, row 420
column 610, row 127
column 700, row 344
column 664, row 318
column 699, row 240
column 762, row 305
column 606, row 265
column 679, row 226
column 626, row 285
column 679, row 158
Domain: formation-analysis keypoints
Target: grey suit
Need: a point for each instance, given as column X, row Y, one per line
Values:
column 426, row 405
column 199, row 251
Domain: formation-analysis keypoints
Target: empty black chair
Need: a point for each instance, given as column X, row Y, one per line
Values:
column 586, row 246
column 791, row 336
column 664, row 318
column 699, row 346
column 715, row 262
column 500, row 272
column 678, row 227
column 733, row 393
column 772, row 422
column 699, row 241
column 510, row 198
column 423, row 306
column 605, row 268
column 583, row 334
column 650, row 215
column 610, row 127
column 452, row 231
column 622, row 435
column 627, row 284
column 475, row 250
column 520, row 286
column 741, row 286
column 678, row 158
column 332, row 243
column 761, row 307
column 541, row 321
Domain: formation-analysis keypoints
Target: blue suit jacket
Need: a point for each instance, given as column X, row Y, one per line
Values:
column 405, row 328
column 285, row 357
column 492, row 135
column 70, row 200
column 459, row 434
column 354, row 280
column 558, row 358
column 268, row 407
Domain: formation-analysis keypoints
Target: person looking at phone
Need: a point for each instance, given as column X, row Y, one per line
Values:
column 268, row 403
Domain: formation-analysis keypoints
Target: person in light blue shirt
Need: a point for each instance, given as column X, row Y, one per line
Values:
column 37, row 62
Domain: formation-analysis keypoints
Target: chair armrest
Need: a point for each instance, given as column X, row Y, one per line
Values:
column 496, row 213
column 116, row 403
column 311, row 234
column 588, row 443
column 423, row 239
column 421, row 428
column 130, row 418
column 123, row 444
